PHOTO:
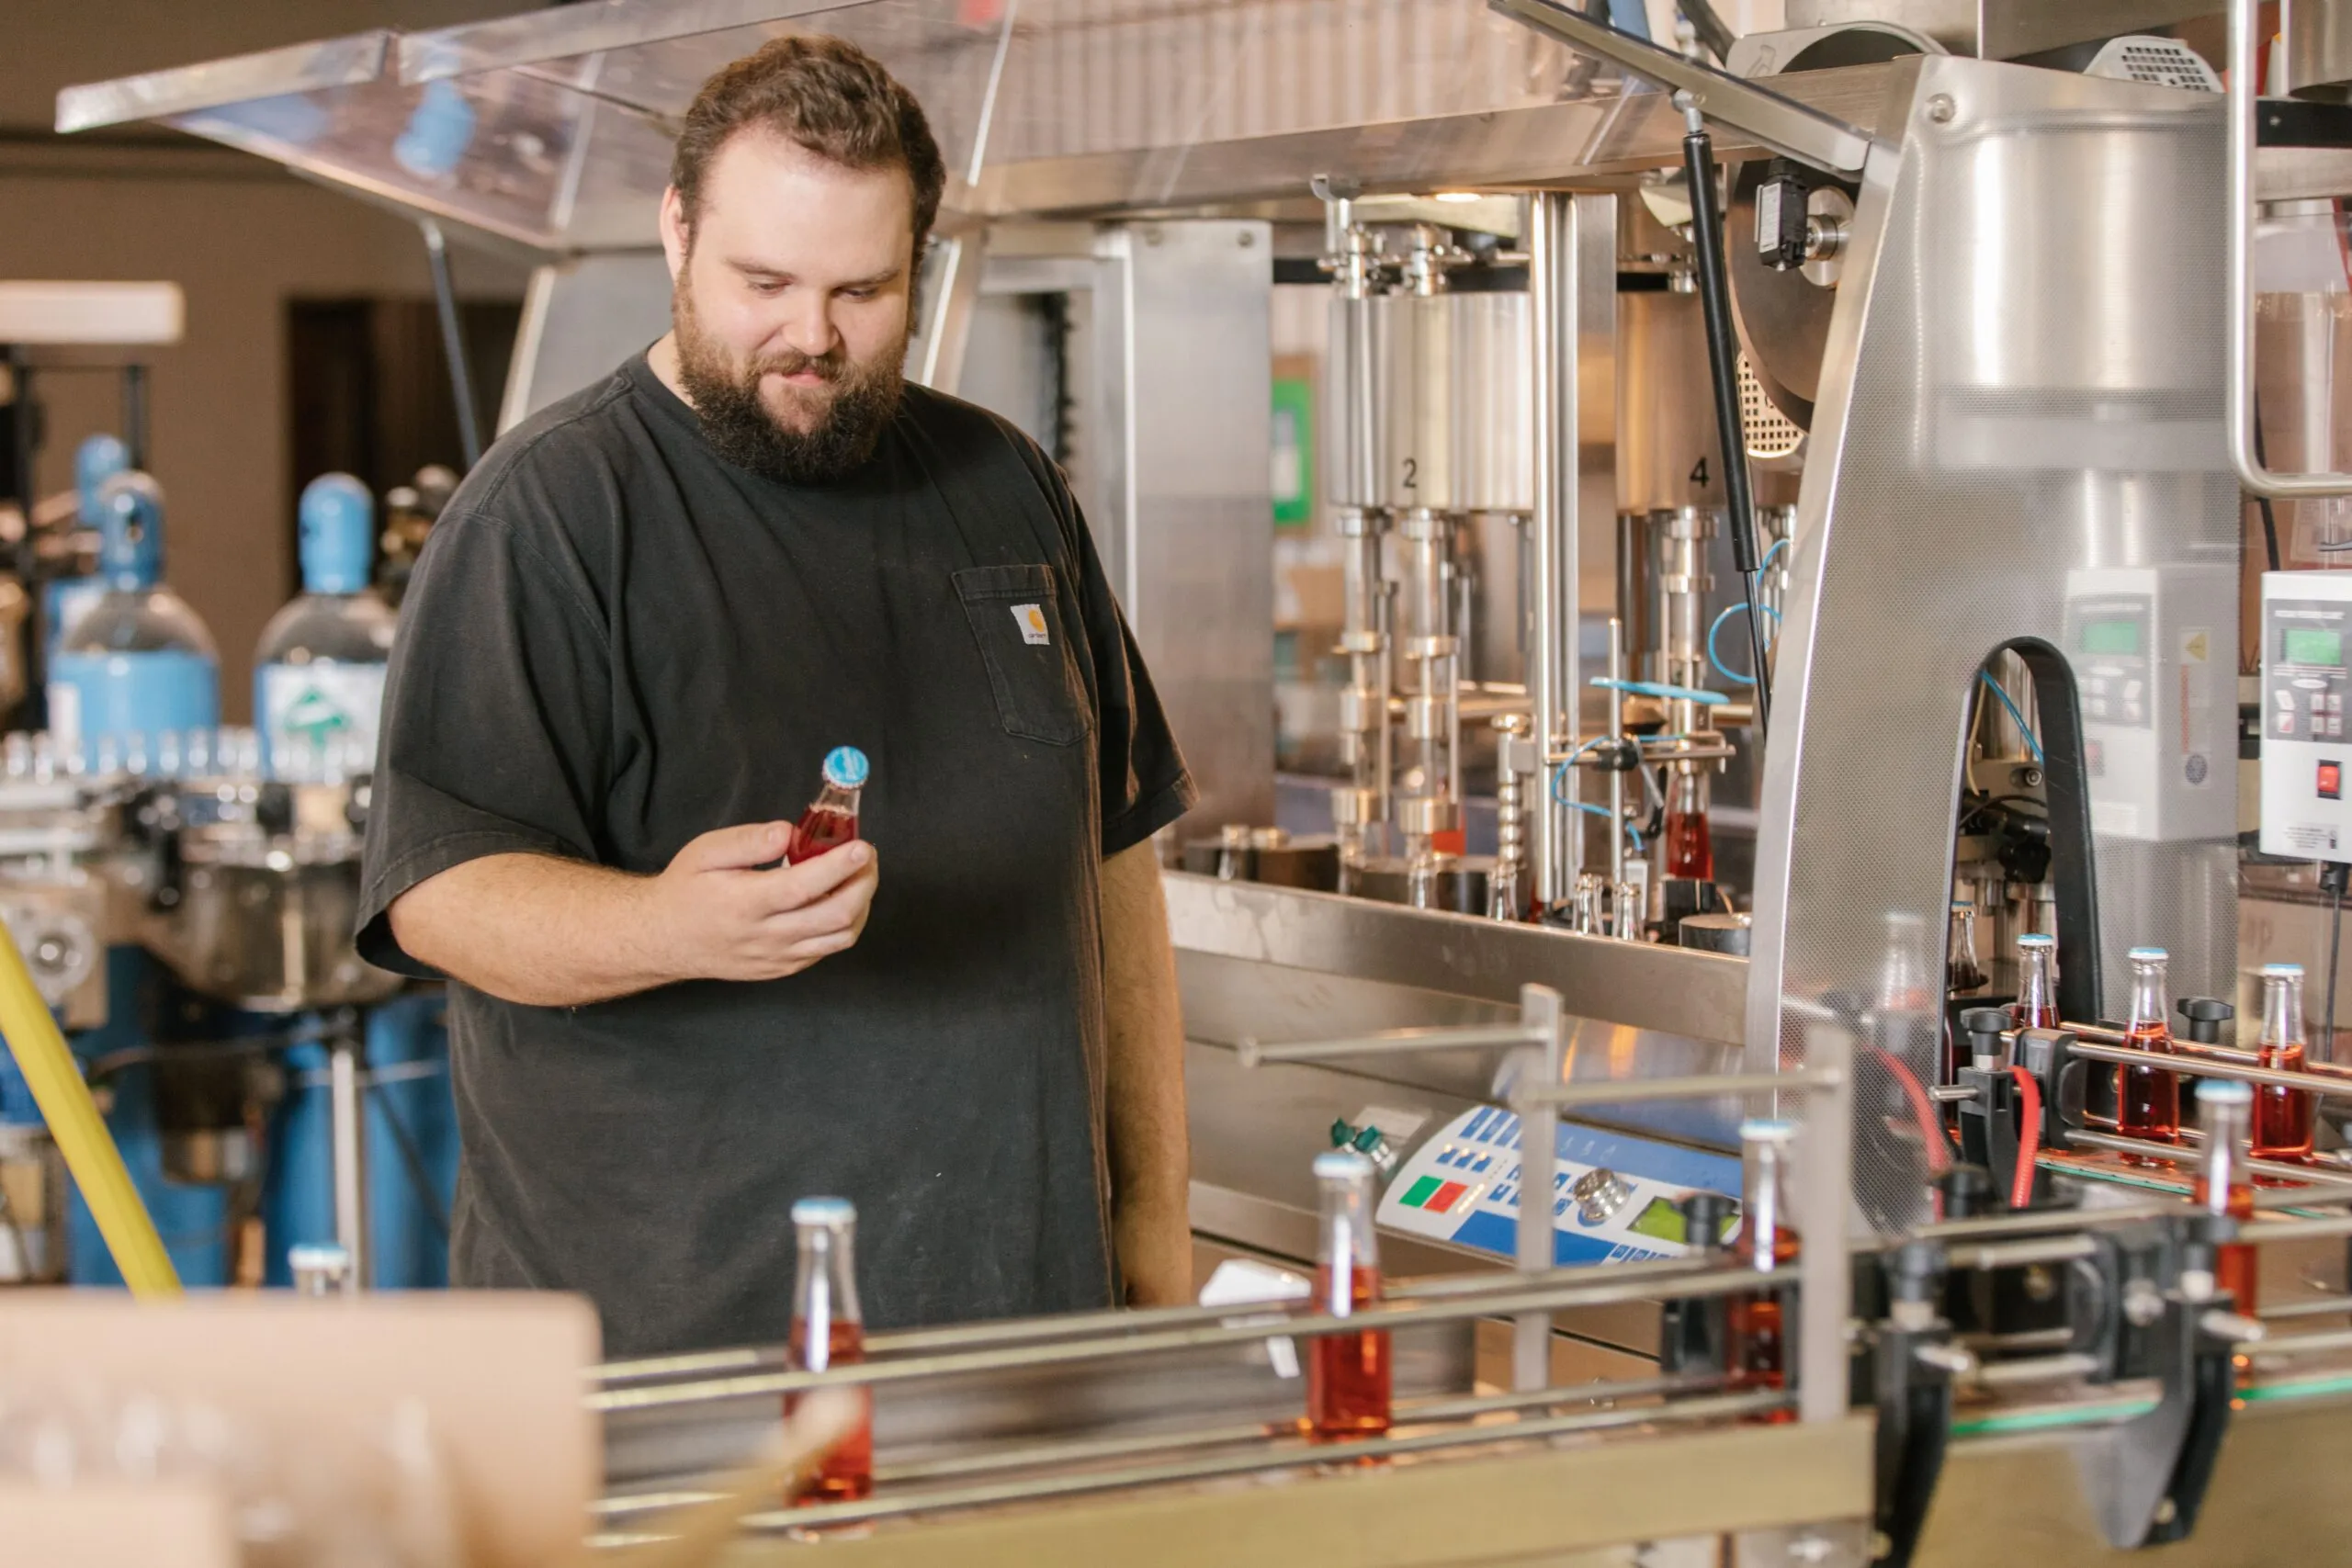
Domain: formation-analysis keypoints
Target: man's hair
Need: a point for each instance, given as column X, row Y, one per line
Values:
column 823, row 95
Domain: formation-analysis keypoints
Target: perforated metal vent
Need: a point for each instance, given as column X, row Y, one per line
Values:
column 1773, row 439
column 2159, row 61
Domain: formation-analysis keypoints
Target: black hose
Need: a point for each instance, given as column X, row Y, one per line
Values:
column 1716, row 38
column 2333, row 877
column 2262, row 502
column 1723, row 360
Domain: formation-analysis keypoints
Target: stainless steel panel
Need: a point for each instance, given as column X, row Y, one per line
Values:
column 1673, row 992
column 1665, row 423
column 2002, row 29
column 1458, row 371
column 582, row 319
column 2319, row 47
column 1581, row 143
column 1180, row 500
column 1964, row 487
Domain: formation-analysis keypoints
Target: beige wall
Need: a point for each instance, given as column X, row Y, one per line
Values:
column 240, row 237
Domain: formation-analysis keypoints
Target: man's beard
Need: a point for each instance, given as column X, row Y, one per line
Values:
column 739, row 427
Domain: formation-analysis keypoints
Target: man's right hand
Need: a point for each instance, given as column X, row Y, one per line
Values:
column 717, row 916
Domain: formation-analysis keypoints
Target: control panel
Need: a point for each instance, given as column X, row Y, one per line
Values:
column 1614, row 1197
column 2154, row 658
column 2306, row 636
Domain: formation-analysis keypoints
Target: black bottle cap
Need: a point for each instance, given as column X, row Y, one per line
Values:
column 2206, row 1015
column 1967, row 1190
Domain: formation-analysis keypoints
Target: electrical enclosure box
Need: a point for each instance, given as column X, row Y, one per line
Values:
column 2306, row 746
column 2155, row 656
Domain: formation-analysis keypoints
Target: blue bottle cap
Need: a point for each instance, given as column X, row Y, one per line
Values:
column 845, row 767
column 130, row 531
column 2036, row 939
column 2147, row 955
column 823, row 1212
column 338, row 532
column 97, row 460
column 2282, row 971
column 1765, row 1129
column 2223, row 1091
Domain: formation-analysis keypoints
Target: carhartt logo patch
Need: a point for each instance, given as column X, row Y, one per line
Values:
column 1030, row 618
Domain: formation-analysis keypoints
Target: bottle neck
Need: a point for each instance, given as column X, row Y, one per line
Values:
column 2282, row 1011
column 825, row 1292
column 2034, row 988
column 2222, row 1161
column 1347, row 1242
column 833, row 797
column 1764, row 1226
column 2148, row 997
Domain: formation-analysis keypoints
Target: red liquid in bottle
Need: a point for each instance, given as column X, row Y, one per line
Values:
column 820, row 828
column 2236, row 1267
column 2147, row 1100
column 1689, row 848
column 2035, row 1015
column 1348, row 1374
column 2282, row 1117
column 1757, row 1349
column 847, row 1473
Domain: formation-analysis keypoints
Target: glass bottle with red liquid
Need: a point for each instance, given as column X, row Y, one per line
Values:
column 1963, row 971
column 1689, row 848
column 1757, row 1342
column 2037, row 1003
column 830, row 820
column 2282, row 1117
column 827, row 1331
column 2147, row 1100
column 2224, row 1185
column 1346, row 1374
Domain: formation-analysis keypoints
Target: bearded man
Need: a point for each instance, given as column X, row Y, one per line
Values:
column 636, row 630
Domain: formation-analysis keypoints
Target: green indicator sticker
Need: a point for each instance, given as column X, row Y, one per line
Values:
column 1420, row 1191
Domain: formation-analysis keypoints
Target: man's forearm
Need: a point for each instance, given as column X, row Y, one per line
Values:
column 1150, row 1147
column 535, row 929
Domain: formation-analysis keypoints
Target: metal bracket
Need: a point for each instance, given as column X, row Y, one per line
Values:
column 1785, row 125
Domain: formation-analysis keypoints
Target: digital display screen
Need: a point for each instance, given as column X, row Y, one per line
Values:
column 1661, row 1221
column 2312, row 645
column 2111, row 636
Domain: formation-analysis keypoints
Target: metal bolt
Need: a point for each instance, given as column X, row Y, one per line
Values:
column 1246, row 239
column 2167, row 1511
column 2041, row 1284
column 1941, row 109
column 2142, row 1302
column 1811, row 1548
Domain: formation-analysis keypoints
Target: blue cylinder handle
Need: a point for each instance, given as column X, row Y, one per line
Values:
column 1660, row 689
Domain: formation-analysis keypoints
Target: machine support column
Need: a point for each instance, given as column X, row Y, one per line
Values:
column 346, row 1112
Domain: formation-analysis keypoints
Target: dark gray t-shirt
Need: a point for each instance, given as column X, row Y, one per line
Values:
column 615, row 641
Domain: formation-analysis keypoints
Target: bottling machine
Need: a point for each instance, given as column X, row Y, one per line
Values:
column 1868, row 404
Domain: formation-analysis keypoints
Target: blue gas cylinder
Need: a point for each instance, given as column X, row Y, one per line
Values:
column 319, row 671
column 139, row 664
column 97, row 460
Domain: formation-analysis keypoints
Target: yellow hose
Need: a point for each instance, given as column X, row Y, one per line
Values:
column 81, row 1133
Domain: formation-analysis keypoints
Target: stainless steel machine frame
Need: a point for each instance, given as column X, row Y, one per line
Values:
column 1980, row 183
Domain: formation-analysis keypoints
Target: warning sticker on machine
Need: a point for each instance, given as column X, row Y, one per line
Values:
column 2310, row 838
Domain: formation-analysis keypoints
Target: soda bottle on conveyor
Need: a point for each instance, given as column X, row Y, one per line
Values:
column 1963, row 971
column 828, row 1332
column 831, row 818
column 2282, row 1117
column 1346, row 1374
column 2147, row 1100
column 1757, row 1341
column 2224, row 1185
column 2037, row 1003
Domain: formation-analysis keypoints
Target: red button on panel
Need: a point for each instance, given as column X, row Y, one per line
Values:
column 2331, row 780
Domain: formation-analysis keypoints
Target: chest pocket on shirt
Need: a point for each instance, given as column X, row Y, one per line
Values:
column 1017, row 621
